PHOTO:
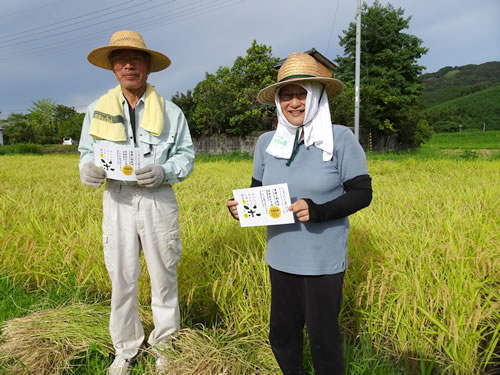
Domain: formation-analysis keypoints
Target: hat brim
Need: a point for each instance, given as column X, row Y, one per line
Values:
column 333, row 88
column 100, row 57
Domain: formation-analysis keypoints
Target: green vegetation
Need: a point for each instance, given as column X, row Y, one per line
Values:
column 468, row 145
column 390, row 77
column 450, row 83
column 45, row 123
column 31, row 148
column 421, row 290
column 475, row 111
column 21, row 148
column 236, row 88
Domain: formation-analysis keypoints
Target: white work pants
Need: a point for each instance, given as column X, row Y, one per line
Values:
column 135, row 218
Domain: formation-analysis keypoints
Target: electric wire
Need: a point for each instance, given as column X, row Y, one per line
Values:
column 331, row 29
column 7, row 38
column 168, row 17
column 86, row 26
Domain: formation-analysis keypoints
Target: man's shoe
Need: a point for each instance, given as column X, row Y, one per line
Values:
column 120, row 366
column 159, row 352
column 161, row 364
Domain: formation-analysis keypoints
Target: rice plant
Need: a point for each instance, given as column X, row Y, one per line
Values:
column 422, row 285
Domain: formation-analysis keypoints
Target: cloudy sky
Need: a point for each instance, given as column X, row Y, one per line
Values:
column 44, row 43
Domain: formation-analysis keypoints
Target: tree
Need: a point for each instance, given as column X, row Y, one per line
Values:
column 18, row 129
column 46, row 122
column 68, row 122
column 390, row 86
column 226, row 102
column 186, row 103
column 252, row 73
column 42, row 115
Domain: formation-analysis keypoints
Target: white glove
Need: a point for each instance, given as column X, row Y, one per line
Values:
column 150, row 176
column 91, row 175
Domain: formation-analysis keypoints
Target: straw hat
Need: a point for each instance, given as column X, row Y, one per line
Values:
column 126, row 39
column 299, row 67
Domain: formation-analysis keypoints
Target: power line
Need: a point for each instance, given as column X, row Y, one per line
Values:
column 333, row 24
column 5, row 38
column 172, row 16
column 86, row 26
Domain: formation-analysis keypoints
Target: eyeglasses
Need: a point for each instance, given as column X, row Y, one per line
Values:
column 287, row 96
column 122, row 61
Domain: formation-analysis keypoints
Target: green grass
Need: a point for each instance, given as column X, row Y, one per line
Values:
column 21, row 148
column 466, row 145
column 466, row 140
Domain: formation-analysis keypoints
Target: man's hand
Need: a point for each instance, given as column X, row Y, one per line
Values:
column 232, row 204
column 91, row 175
column 150, row 176
column 301, row 209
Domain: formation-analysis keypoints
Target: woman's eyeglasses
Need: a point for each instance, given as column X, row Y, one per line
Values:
column 287, row 96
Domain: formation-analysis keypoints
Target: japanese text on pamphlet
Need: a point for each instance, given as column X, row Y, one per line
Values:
column 119, row 162
column 264, row 205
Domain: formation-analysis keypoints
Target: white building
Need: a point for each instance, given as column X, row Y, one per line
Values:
column 1, row 136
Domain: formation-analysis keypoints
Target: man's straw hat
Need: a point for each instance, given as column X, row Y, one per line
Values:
column 300, row 67
column 126, row 39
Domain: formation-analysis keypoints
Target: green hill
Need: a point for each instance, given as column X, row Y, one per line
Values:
column 454, row 82
column 474, row 111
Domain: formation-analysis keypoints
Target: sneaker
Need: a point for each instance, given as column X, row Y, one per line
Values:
column 120, row 366
column 161, row 364
column 159, row 352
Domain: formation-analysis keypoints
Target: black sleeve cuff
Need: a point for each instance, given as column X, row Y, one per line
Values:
column 358, row 195
column 255, row 183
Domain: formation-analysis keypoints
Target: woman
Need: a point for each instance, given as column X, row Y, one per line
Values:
column 325, row 168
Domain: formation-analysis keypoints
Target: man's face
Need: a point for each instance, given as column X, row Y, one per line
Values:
column 131, row 69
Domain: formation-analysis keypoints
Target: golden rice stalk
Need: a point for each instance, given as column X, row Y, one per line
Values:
column 219, row 351
column 45, row 342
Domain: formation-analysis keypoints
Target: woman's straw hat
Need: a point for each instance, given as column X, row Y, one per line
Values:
column 126, row 39
column 300, row 67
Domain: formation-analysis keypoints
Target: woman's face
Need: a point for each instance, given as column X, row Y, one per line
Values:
column 293, row 103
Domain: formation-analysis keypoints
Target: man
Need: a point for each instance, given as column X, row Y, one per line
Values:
column 142, row 214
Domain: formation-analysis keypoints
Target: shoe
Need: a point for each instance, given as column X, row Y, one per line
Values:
column 120, row 366
column 161, row 364
column 159, row 352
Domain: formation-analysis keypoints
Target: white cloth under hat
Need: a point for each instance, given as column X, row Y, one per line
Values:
column 317, row 125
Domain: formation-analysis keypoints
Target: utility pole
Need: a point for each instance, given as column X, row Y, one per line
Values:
column 358, row 59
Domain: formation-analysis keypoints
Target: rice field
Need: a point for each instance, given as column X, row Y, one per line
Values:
column 422, row 287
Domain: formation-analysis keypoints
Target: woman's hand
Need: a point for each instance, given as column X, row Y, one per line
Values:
column 232, row 204
column 301, row 209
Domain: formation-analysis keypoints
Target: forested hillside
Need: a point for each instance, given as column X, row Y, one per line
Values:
column 480, row 110
column 454, row 82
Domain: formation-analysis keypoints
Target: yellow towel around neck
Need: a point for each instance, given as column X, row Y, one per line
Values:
column 108, row 120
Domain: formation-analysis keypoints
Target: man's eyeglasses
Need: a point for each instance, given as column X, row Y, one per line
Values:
column 287, row 96
column 122, row 61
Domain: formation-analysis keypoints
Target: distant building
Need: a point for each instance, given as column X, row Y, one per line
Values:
column 1, row 136
column 326, row 67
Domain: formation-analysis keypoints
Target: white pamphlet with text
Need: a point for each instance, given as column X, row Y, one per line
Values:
column 119, row 162
column 264, row 205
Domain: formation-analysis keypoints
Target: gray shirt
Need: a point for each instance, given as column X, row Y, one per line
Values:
column 310, row 248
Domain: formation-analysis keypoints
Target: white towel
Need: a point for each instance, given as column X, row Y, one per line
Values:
column 317, row 125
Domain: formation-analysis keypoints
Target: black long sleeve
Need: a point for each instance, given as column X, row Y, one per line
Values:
column 358, row 195
column 255, row 183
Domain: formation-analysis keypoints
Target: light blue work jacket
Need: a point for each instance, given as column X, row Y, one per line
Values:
column 173, row 149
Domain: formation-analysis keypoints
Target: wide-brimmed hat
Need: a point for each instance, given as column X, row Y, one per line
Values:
column 300, row 67
column 126, row 39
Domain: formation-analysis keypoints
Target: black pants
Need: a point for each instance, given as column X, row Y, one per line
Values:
column 315, row 301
